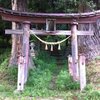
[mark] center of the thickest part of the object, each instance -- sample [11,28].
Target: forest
[48,73]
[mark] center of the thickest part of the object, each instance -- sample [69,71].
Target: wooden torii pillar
[74,51]
[24,58]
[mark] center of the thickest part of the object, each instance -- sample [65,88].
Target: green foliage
[5,3]
[40,77]
[93,71]
[4,54]
[64,81]
[89,87]
[89,93]
[8,79]
[39,81]
[59,5]
[8,75]
[43,61]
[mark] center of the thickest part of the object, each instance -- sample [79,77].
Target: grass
[93,73]
[47,80]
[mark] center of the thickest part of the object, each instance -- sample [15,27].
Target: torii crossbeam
[43,32]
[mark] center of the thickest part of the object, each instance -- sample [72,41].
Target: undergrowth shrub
[8,73]
[4,53]
[64,81]
[89,93]
[39,80]
[45,61]
[40,77]
[93,71]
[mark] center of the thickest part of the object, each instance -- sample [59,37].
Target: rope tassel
[46,47]
[51,47]
[59,47]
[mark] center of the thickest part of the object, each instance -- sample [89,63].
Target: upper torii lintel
[16,16]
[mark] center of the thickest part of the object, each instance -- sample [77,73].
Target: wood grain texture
[17,16]
[82,72]
[43,32]
[75,51]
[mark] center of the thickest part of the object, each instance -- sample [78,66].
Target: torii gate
[27,18]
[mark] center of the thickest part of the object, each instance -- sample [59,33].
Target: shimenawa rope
[50,43]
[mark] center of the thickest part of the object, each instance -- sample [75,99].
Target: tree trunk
[19,5]
[13,59]
[89,45]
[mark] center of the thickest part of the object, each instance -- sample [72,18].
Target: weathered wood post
[70,65]
[82,71]
[20,80]
[75,51]
[24,58]
[26,29]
